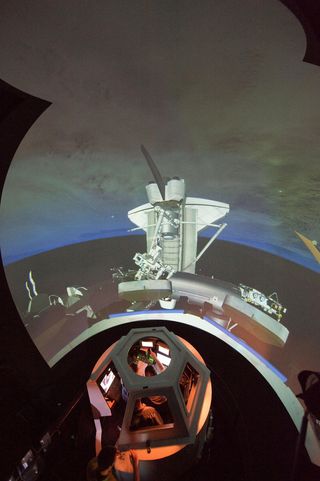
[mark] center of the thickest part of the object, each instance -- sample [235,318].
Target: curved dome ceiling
[217,91]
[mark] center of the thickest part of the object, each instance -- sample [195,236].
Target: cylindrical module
[153,193]
[175,189]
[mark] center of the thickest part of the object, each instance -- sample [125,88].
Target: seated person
[145,416]
[158,366]
[110,465]
[148,372]
[100,468]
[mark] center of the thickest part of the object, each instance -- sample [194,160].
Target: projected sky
[216,90]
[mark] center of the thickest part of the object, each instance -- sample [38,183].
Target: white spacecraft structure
[39,302]
[166,271]
[172,223]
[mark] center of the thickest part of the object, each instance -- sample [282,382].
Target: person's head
[106,459]
[139,405]
[149,371]
[134,366]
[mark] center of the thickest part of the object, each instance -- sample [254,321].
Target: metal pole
[208,244]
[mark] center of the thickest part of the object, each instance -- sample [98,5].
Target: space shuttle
[172,223]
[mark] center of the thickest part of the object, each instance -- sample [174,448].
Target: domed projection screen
[235,116]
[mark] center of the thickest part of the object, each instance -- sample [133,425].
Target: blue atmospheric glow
[304,260]
[135,313]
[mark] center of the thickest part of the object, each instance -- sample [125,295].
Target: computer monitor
[107,380]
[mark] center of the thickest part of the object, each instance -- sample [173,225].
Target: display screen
[146,343]
[107,381]
[164,359]
[163,350]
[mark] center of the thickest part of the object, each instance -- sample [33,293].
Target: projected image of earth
[219,95]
